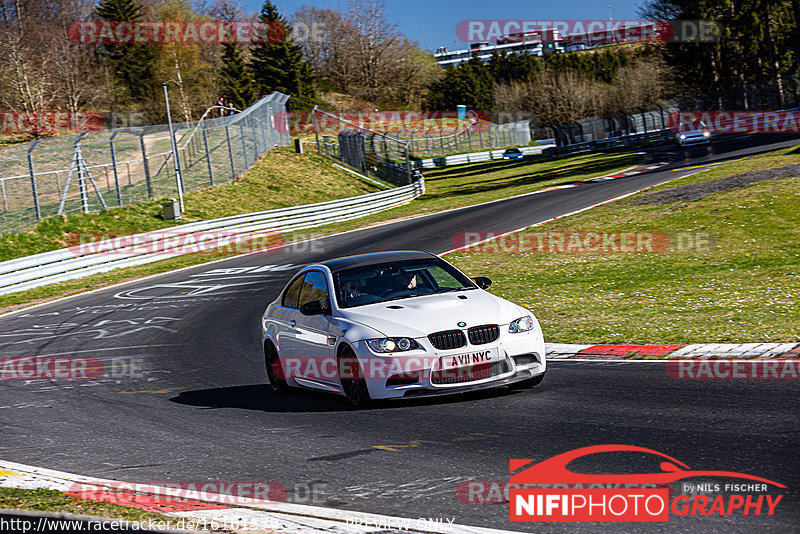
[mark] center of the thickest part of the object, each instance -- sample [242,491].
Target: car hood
[419,316]
[692,133]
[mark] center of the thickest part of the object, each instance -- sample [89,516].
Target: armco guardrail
[473,157]
[68,264]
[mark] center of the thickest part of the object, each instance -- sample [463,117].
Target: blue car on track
[512,153]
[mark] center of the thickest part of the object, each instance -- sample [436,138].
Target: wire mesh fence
[125,166]
[761,96]
[439,136]
[370,152]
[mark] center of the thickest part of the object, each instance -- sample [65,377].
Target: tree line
[357,52]
[43,68]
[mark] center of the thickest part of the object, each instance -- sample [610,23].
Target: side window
[443,278]
[292,294]
[315,287]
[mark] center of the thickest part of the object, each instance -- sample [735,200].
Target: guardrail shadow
[261,397]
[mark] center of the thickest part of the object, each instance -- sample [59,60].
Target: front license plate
[471,358]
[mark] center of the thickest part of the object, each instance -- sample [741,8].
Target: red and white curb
[700,351]
[212,511]
[608,177]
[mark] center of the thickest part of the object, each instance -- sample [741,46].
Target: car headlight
[523,324]
[392,344]
[706,133]
[683,136]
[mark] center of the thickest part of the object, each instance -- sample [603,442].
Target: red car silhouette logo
[554,470]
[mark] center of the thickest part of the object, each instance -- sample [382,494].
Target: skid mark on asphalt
[342,456]
[105,329]
[414,443]
[167,390]
[416,489]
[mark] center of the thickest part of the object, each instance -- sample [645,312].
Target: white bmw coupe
[397,325]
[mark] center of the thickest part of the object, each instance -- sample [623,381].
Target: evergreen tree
[234,78]
[131,65]
[279,65]
[470,84]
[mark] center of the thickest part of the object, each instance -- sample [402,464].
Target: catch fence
[92,170]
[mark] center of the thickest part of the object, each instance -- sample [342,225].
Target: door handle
[292,323]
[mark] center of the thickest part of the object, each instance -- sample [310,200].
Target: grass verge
[279,179]
[744,290]
[446,188]
[42,500]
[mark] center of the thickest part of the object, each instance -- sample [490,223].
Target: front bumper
[419,373]
[694,140]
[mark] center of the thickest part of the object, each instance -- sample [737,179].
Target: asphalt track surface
[184,395]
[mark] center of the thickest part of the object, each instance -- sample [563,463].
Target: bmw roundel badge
[462,324]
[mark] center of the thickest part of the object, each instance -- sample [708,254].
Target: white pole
[176,160]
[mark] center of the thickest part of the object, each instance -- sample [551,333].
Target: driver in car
[350,291]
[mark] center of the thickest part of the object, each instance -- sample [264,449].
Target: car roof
[361,260]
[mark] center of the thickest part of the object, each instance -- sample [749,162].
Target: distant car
[512,153]
[689,135]
[396,325]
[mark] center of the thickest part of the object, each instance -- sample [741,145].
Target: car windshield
[383,282]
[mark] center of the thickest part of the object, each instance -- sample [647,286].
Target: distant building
[537,43]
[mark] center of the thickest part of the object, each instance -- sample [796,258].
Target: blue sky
[432,23]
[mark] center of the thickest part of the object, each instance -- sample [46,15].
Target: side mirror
[314,307]
[483,282]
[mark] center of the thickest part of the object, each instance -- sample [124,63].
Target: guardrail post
[144,163]
[36,208]
[230,153]
[263,124]
[114,166]
[244,146]
[208,157]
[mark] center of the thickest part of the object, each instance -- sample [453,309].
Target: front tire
[274,372]
[527,383]
[352,378]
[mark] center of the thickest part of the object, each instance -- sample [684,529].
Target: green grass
[446,188]
[465,185]
[745,290]
[281,178]
[7,140]
[51,501]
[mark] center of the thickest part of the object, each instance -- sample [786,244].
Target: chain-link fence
[438,142]
[462,135]
[761,96]
[634,121]
[120,167]
[368,151]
